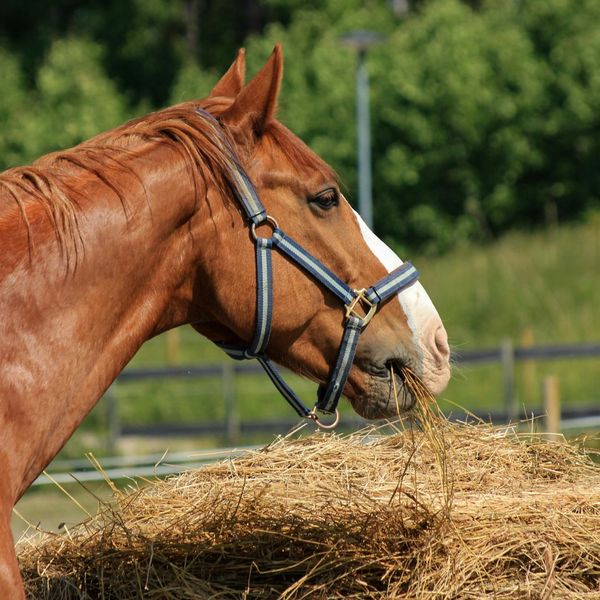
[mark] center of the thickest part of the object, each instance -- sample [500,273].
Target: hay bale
[471,512]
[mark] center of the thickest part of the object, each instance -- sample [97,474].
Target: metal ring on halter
[270,220]
[313,415]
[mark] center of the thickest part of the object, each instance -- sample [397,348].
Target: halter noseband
[368,299]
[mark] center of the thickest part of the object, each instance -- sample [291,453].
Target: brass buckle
[362,301]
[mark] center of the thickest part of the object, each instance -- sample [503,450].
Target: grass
[541,287]
[52,510]
[546,281]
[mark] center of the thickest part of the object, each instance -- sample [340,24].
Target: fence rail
[125,467]
[550,352]
[507,355]
[464,357]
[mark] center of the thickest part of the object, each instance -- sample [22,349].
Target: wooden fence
[231,428]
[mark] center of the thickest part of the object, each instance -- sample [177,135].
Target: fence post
[172,346]
[551,395]
[113,421]
[507,357]
[528,369]
[232,421]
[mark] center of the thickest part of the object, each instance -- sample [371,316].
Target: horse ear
[232,82]
[257,102]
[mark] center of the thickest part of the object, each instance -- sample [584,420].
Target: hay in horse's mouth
[407,388]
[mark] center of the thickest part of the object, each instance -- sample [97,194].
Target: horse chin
[385,398]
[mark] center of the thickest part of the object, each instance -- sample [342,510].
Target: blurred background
[485,143]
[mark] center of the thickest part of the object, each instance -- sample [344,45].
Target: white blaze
[415,302]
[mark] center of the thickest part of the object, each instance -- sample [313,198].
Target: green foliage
[12,102]
[566,34]
[485,113]
[144,43]
[482,119]
[317,101]
[456,104]
[72,100]
[192,82]
[77,99]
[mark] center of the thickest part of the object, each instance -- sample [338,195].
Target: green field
[542,287]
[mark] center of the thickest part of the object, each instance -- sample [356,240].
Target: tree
[12,108]
[566,37]
[485,113]
[76,98]
[318,101]
[455,117]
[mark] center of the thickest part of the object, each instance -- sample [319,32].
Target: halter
[366,299]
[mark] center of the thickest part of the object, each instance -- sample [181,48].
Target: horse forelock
[303,160]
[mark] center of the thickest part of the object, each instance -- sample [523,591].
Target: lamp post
[361,41]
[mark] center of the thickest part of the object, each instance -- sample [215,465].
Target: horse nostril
[440,339]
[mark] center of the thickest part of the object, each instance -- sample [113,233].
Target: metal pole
[365,200]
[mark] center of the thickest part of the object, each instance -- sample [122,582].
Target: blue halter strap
[367,300]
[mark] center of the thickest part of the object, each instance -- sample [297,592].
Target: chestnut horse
[137,231]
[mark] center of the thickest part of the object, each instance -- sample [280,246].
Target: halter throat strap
[356,320]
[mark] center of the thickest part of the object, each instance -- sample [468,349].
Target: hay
[464,511]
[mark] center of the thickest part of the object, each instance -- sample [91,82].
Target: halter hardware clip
[362,301]
[313,416]
[269,220]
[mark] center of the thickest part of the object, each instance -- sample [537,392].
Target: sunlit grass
[547,281]
[541,287]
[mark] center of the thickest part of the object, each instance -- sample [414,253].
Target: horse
[139,230]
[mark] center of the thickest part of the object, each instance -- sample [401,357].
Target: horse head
[302,195]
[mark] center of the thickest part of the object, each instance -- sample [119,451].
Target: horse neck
[71,332]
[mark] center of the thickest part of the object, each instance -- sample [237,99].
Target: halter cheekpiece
[366,299]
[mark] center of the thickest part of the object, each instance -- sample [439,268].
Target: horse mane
[48,181]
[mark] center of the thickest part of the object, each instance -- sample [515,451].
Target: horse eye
[326,199]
